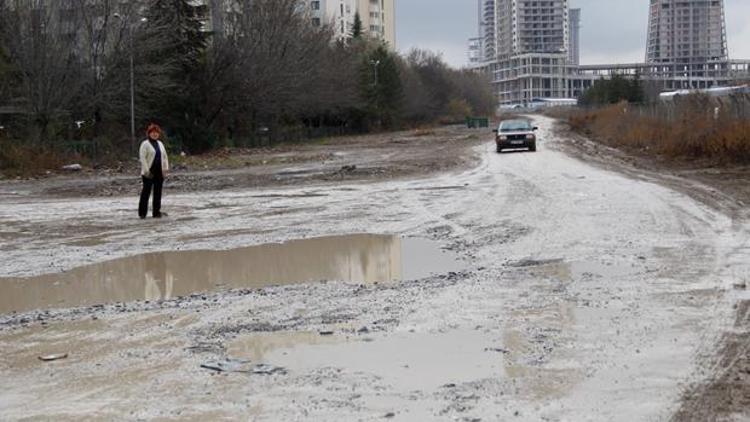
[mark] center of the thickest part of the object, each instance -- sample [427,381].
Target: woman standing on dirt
[154,166]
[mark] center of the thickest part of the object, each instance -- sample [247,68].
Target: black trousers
[156,183]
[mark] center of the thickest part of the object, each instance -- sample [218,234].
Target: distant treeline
[613,91]
[65,76]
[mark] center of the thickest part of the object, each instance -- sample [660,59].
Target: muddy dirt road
[571,294]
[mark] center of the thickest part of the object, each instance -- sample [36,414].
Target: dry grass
[26,161]
[684,132]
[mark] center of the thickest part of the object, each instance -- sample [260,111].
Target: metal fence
[736,106]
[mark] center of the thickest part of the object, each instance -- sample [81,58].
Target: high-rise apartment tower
[488,28]
[574,39]
[531,26]
[686,32]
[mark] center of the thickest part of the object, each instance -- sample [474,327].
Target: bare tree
[40,44]
[279,57]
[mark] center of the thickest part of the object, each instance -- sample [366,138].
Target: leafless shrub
[694,127]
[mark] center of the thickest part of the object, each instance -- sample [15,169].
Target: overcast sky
[613,31]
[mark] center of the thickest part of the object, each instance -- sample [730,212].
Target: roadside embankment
[696,129]
[704,140]
[382,156]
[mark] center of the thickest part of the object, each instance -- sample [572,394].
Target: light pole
[132,79]
[375,64]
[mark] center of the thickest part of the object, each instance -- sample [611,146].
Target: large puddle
[155,276]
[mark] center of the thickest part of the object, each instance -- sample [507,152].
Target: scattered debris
[73,167]
[390,415]
[346,169]
[326,333]
[265,369]
[205,348]
[53,357]
[534,262]
[740,286]
[229,365]
[243,366]
[497,349]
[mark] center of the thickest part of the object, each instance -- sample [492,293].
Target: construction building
[528,53]
[476,45]
[475,51]
[687,38]
[487,26]
[532,49]
[574,39]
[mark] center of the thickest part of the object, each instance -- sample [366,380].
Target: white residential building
[377,16]
[379,19]
[339,14]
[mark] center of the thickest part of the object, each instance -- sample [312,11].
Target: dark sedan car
[513,134]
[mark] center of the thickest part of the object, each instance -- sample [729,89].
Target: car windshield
[514,125]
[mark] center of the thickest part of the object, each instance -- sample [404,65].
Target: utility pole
[129,24]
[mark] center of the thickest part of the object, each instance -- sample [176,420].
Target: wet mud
[585,295]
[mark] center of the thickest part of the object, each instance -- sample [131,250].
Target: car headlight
[530,136]
[503,138]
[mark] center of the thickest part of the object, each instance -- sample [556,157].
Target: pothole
[360,258]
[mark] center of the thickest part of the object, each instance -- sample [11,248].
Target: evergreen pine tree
[176,31]
[357,27]
[637,93]
[380,83]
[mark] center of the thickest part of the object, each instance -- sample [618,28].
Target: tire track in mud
[721,389]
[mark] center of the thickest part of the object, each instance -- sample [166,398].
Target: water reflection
[356,258]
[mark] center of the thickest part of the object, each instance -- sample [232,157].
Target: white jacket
[147,155]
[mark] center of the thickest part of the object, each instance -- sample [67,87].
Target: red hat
[153,127]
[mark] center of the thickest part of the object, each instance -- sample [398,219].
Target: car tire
[532,148]
[499,150]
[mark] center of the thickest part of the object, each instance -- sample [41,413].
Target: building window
[315,5]
[316,21]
